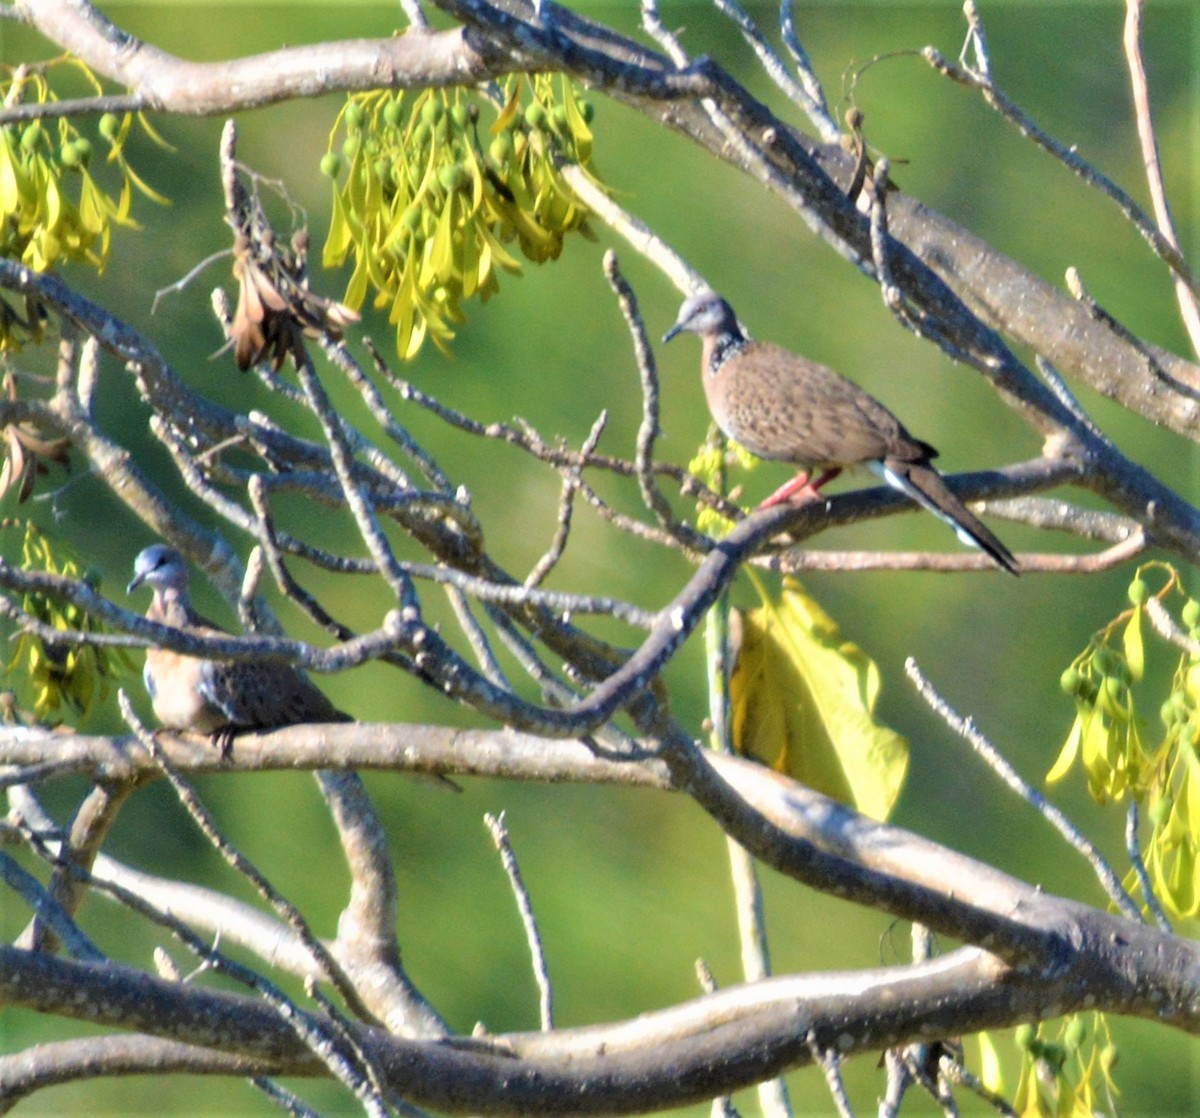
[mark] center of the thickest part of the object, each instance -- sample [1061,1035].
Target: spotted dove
[782,406]
[219,698]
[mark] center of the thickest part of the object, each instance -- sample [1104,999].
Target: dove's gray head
[161,567]
[704,314]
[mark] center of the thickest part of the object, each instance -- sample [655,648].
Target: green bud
[355,116]
[83,149]
[431,111]
[459,116]
[588,111]
[68,156]
[501,148]
[1160,811]
[110,125]
[1104,661]
[331,164]
[32,136]
[1108,1057]
[535,116]
[393,112]
[350,147]
[1025,1036]
[559,116]
[1191,613]
[1138,591]
[1075,1033]
[453,176]
[1069,681]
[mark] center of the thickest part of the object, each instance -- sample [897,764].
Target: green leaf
[803,702]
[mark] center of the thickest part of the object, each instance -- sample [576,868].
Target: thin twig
[499,833]
[823,118]
[1070,158]
[1134,852]
[240,864]
[1132,42]
[1165,627]
[965,728]
[829,1060]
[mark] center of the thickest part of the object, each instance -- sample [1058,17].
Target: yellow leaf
[1135,653]
[1070,750]
[991,1074]
[803,699]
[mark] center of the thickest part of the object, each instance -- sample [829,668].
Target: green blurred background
[630,887]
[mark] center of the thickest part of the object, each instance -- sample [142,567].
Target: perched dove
[219,698]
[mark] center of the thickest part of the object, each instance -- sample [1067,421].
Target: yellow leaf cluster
[429,216]
[1066,1070]
[62,680]
[1111,740]
[803,700]
[52,210]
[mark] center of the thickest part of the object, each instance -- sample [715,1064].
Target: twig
[48,911]
[1134,853]
[829,1060]
[648,430]
[965,728]
[499,833]
[1132,42]
[1165,627]
[798,92]
[566,507]
[1070,158]
[309,1029]
[239,863]
[823,118]
[283,1098]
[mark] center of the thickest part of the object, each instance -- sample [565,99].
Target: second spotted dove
[782,406]
[218,698]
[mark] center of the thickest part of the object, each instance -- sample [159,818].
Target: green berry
[83,149]
[110,125]
[1108,1057]
[393,113]
[1160,811]
[68,156]
[350,147]
[431,111]
[1069,681]
[331,164]
[421,134]
[1025,1036]
[1075,1033]
[1138,591]
[411,218]
[501,148]
[535,116]
[355,116]
[1191,613]
[453,176]
[31,137]
[559,116]
[459,116]
[1104,661]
